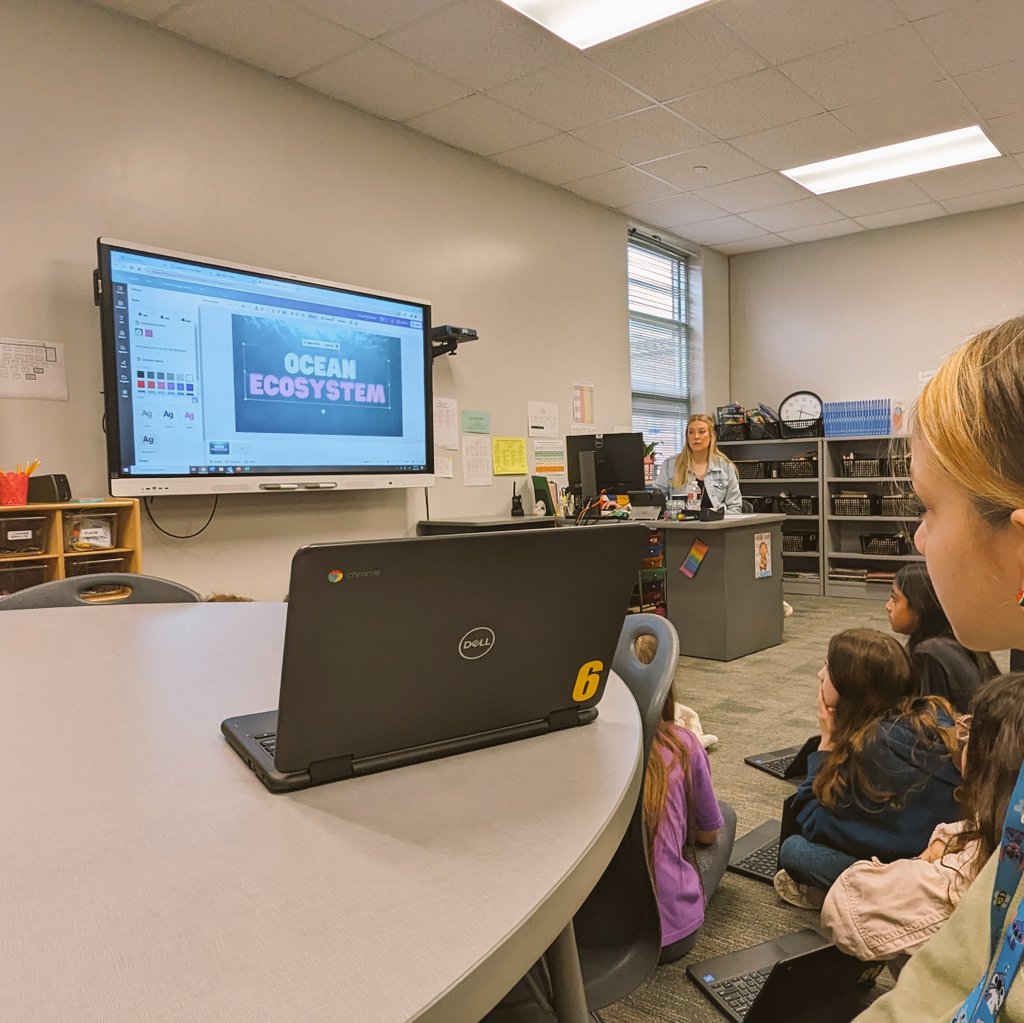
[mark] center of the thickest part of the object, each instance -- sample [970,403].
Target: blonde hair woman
[702,469]
[968,469]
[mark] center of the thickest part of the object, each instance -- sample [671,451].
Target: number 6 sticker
[587,680]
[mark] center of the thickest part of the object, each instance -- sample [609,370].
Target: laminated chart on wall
[36,369]
[582,401]
[509,455]
[549,457]
[542,419]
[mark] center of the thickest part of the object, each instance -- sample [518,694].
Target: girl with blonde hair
[701,469]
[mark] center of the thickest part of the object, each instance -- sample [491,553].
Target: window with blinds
[659,344]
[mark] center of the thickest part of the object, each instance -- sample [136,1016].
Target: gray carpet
[756,703]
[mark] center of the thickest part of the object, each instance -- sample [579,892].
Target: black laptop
[795,978]
[756,854]
[400,651]
[789,764]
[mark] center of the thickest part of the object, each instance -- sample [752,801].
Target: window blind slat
[659,345]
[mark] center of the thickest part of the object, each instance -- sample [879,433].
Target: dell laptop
[400,651]
[756,854]
[788,764]
[795,978]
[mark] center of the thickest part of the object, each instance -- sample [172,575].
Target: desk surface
[149,876]
[738,521]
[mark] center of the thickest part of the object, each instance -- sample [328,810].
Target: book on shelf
[853,574]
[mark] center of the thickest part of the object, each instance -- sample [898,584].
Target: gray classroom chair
[137,589]
[618,927]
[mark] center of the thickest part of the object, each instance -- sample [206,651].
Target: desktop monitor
[616,461]
[220,377]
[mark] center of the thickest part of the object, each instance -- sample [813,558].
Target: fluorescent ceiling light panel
[589,22]
[951,148]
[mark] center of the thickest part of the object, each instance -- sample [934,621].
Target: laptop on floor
[756,854]
[795,978]
[400,651]
[789,764]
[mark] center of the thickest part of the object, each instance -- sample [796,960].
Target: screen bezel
[302,479]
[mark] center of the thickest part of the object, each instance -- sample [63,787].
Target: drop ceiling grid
[683,126]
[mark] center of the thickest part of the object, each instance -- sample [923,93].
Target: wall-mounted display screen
[221,377]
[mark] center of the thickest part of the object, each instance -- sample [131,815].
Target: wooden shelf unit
[808,563]
[27,568]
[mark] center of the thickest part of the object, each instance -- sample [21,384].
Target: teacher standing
[701,467]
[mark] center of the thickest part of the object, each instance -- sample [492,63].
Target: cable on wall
[179,536]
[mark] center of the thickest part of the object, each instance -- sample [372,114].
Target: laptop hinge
[334,769]
[568,717]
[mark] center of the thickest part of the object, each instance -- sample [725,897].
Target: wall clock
[801,414]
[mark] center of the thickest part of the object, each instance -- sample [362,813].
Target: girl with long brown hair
[689,832]
[880,910]
[884,774]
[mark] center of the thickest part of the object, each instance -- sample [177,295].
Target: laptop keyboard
[763,861]
[268,740]
[777,766]
[739,992]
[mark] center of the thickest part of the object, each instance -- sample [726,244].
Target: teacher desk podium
[724,610]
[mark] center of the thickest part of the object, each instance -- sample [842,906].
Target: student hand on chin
[826,722]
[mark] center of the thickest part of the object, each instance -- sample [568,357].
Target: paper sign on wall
[542,419]
[446,423]
[476,462]
[476,422]
[549,457]
[582,402]
[35,369]
[509,455]
[443,467]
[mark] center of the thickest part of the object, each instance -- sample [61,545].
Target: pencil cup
[13,488]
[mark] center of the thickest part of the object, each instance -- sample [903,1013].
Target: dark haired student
[884,774]
[944,667]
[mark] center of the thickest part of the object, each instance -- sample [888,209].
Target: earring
[1020,599]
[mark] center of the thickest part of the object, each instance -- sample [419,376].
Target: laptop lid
[403,650]
[756,853]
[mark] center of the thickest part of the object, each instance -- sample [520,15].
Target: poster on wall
[582,401]
[762,555]
[542,419]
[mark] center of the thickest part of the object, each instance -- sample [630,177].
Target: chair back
[105,588]
[618,927]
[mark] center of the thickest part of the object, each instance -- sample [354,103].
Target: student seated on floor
[690,833]
[879,910]
[884,774]
[944,667]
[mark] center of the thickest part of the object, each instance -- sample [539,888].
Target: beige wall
[861,316]
[114,128]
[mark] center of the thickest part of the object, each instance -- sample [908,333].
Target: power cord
[179,536]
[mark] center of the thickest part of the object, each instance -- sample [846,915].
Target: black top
[945,668]
[705,501]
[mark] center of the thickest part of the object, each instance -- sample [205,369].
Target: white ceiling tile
[558,160]
[384,83]
[570,94]
[480,42]
[1007,132]
[877,198]
[675,211]
[785,29]
[644,135]
[819,231]
[900,116]
[761,100]
[624,187]
[917,9]
[372,18]
[147,10]
[792,145]
[926,211]
[986,33]
[756,193]
[768,241]
[983,176]
[985,200]
[720,163]
[802,213]
[724,229]
[996,90]
[892,61]
[481,125]
[271,34]
[678,57]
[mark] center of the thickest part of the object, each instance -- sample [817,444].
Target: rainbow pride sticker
[335,575]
